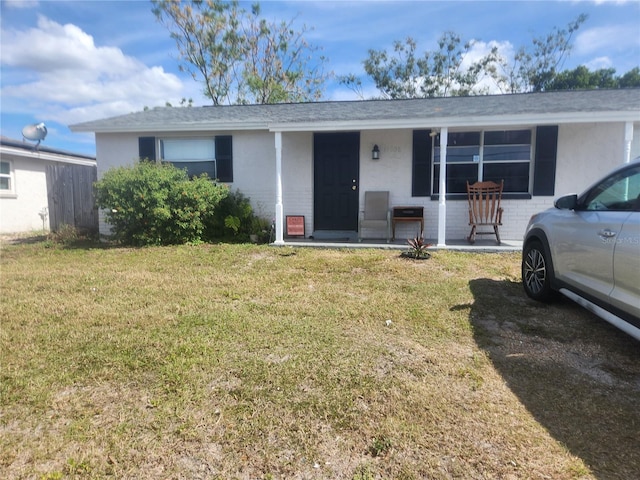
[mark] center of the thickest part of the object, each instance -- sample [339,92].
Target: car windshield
[620,192]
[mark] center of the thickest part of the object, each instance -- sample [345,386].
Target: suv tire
[536,272]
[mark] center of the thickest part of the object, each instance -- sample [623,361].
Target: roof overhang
[174,127]
[460,122]
[481,121]
[33,154]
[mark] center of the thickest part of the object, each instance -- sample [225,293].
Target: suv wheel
[536,274]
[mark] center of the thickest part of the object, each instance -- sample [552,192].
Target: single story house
[317,160]
[38,187]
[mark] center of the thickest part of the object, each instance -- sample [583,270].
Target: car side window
[620,192]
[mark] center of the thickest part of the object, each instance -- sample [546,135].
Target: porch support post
[279,209]
[442,203]
[628,138]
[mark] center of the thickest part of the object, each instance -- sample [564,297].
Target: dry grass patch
[257,362]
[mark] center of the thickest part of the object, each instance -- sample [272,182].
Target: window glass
[483,156]
[5,168]
[515,176]
[457,176]
[508,137]
[196,155]
[620,192]
[458,154]
[498,153]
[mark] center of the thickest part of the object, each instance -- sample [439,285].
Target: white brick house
[315,159]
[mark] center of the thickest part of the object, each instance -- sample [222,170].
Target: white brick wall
[585,152]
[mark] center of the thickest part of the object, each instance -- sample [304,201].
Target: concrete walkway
[481,245]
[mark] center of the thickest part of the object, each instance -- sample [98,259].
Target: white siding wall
[19,212]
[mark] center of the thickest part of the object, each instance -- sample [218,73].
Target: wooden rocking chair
[484,208]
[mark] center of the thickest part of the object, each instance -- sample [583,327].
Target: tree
[631,78]
[443,72]
[279,63]
[582,78]
[534,67]
[450,71]
[239,56]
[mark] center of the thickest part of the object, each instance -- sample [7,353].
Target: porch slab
[484,245]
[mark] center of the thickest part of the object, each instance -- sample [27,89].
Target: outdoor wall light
[375,153]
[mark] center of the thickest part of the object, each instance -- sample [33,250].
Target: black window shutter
[147,148]
[544,168]
[224,158]
[421,168]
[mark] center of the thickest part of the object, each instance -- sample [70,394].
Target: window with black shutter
[484,155]
[212,156]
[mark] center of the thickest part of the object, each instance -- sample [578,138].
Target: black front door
[336,158]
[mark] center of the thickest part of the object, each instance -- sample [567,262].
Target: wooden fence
[70,197]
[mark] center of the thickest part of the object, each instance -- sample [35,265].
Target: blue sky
[65,62]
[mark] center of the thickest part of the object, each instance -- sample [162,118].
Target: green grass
[240,361]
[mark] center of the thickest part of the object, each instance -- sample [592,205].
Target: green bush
[232,220]
[157,204]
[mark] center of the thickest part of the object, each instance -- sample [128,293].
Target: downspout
[628,137]
[442,206]
[279,210]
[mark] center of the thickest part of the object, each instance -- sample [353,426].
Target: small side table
[407,214]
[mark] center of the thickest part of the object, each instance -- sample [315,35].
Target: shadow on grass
[578,376]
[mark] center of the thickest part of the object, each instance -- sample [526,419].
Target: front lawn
[255,362]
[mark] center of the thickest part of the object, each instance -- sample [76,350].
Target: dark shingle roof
[612,105]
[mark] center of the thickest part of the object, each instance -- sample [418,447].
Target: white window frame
[11,191]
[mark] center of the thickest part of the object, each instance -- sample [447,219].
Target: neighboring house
[43,188]
[316,160]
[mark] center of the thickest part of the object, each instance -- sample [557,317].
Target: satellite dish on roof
[35,132]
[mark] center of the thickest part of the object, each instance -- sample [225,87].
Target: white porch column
[442,202]
[279,209]
[628,137]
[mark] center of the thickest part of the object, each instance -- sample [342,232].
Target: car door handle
[606,233]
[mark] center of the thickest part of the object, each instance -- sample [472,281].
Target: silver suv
[588,249]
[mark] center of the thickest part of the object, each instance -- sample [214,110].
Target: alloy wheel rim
[535,272]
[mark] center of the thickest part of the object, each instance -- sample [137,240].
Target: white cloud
[480,49]
[73,80]
[606,39]
[599,63]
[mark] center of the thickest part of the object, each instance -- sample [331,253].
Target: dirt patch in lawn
[576,374]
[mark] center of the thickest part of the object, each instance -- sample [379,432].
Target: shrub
[232,220]
[418,248]
[157,204]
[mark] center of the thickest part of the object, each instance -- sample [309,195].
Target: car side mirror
[567,202]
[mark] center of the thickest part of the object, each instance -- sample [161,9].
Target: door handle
[606,233]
